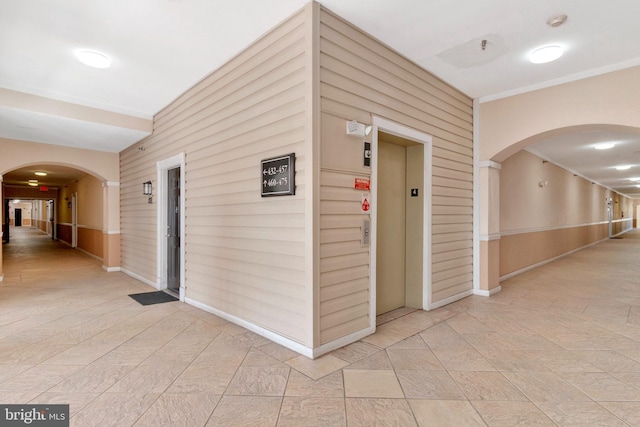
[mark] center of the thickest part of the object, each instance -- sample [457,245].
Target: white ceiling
[160,48]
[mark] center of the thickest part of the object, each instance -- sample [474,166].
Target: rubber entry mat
[149,298]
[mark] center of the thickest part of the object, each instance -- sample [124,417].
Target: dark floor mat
[149,298]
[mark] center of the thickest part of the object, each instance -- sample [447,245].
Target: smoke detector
[556,21]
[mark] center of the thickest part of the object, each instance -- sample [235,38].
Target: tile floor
[560,345]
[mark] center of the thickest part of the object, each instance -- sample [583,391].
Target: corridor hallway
[560,345]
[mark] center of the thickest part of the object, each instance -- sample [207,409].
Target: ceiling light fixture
[623,167]
[41,173]
[604,146]
[33,184]
[634,179]
[546,54]
[93,59]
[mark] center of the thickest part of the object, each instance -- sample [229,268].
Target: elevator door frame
[387,126]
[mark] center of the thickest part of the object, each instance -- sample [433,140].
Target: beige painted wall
[246,255]
[507,125]
[546,211]
[16,154]
[361,77]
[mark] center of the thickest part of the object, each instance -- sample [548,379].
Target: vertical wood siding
[359,77]
[244,254]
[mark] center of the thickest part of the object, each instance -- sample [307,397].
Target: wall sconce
[147,190]
[358,129]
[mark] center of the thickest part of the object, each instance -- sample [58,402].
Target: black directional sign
[278,175]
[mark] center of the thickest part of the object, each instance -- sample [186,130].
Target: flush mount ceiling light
[41,173]
[604,146]
[93,59]
[545,54]
[623,167]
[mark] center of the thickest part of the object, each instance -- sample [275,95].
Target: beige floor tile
[246,411]
[379,360]
[602,387]
[363,412]
[259,381]
[463,359]
[203,380]
[509,414]
[300,385]
[257,359]
[513,360]
[629,412]
[39,378]
[18,397]
[443,336]
[579,414]
[545,387]
[221,355]
[317,368]
[414,342]
[76,401]
[434,385]
[113,409]
[278,352]
[408,359]
[464,323]
[128,354]
[187,410]
[563,361]
[145,379]
[385,336]
[354,352]
[444,413]
[312,412]
[92,379]
[371,383]
[486,386]
[610,361]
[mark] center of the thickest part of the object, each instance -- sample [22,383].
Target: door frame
[74,220]
[161,193]
[387,126]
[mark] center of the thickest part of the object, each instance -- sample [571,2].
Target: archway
[101,237]
[506,126]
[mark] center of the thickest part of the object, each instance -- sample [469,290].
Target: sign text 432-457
[278,175]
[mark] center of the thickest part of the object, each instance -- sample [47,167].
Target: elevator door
[391,226]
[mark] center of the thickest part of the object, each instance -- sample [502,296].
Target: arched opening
[554,193]
[67,203]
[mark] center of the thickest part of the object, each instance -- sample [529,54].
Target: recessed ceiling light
[623,167]
[604,146]
[93,59]
[33,184]
[545,54]
[41,173]
[33,180]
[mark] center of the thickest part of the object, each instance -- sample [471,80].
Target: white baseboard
[450,300]
[341,342]
[285,342]
[110,269]
[485,293]
[138,277]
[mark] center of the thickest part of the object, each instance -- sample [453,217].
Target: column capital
[490,164]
